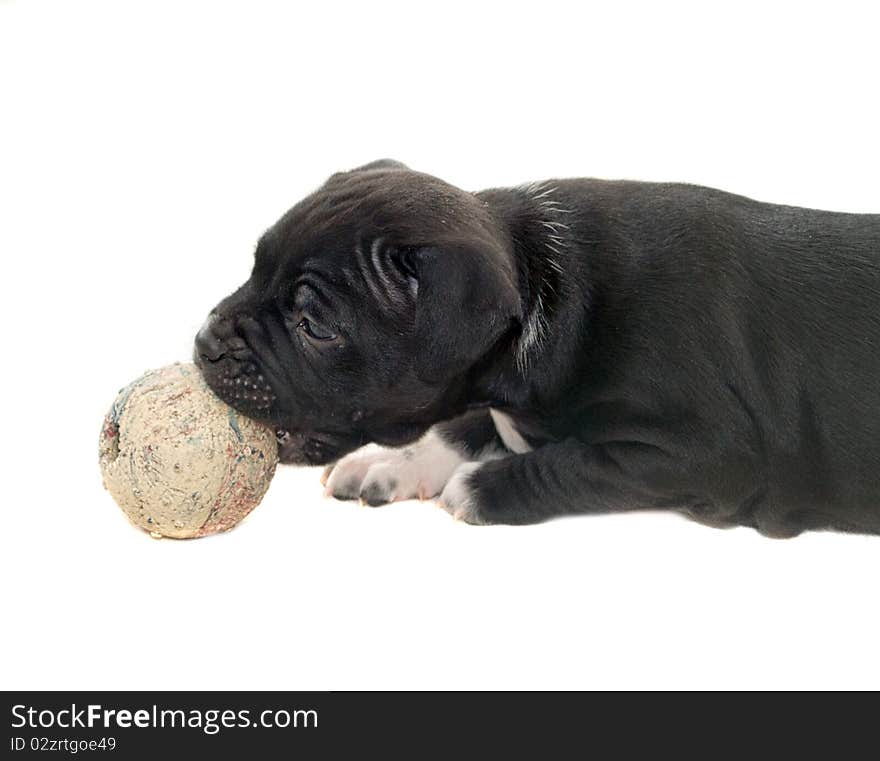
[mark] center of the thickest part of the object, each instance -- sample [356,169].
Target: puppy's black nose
[208,346]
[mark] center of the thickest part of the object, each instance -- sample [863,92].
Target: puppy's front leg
[378,475]
[558,479]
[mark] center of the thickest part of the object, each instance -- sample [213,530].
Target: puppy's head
[368,304]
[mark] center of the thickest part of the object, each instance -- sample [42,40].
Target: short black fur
[659,345]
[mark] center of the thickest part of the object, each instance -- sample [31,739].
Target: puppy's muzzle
[231,369]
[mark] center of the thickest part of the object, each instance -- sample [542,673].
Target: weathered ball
[179,461]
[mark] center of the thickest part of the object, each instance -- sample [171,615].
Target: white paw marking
[511,437]
[379,474]
[457,498]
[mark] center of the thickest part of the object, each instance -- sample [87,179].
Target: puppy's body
[623,345]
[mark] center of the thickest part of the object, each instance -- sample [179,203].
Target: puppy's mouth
[243,387]
[230,369]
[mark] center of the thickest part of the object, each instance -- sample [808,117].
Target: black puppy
[577,346]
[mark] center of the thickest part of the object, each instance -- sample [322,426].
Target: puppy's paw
[362,474]
[458,497]
[377,475]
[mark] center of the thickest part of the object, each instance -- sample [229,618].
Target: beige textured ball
[178,460]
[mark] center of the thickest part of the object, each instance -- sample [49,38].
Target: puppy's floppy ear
[466,300]
[381,164]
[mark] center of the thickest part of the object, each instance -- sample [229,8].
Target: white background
[144,148]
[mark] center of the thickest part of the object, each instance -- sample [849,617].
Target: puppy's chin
[312,448]
[398,434]
[322,448]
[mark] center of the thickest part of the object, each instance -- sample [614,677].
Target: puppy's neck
[538,225]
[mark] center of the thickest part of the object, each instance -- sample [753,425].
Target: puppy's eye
[315,331]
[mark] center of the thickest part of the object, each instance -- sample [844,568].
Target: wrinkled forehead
[385,197]
[402,205]
[354,215]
